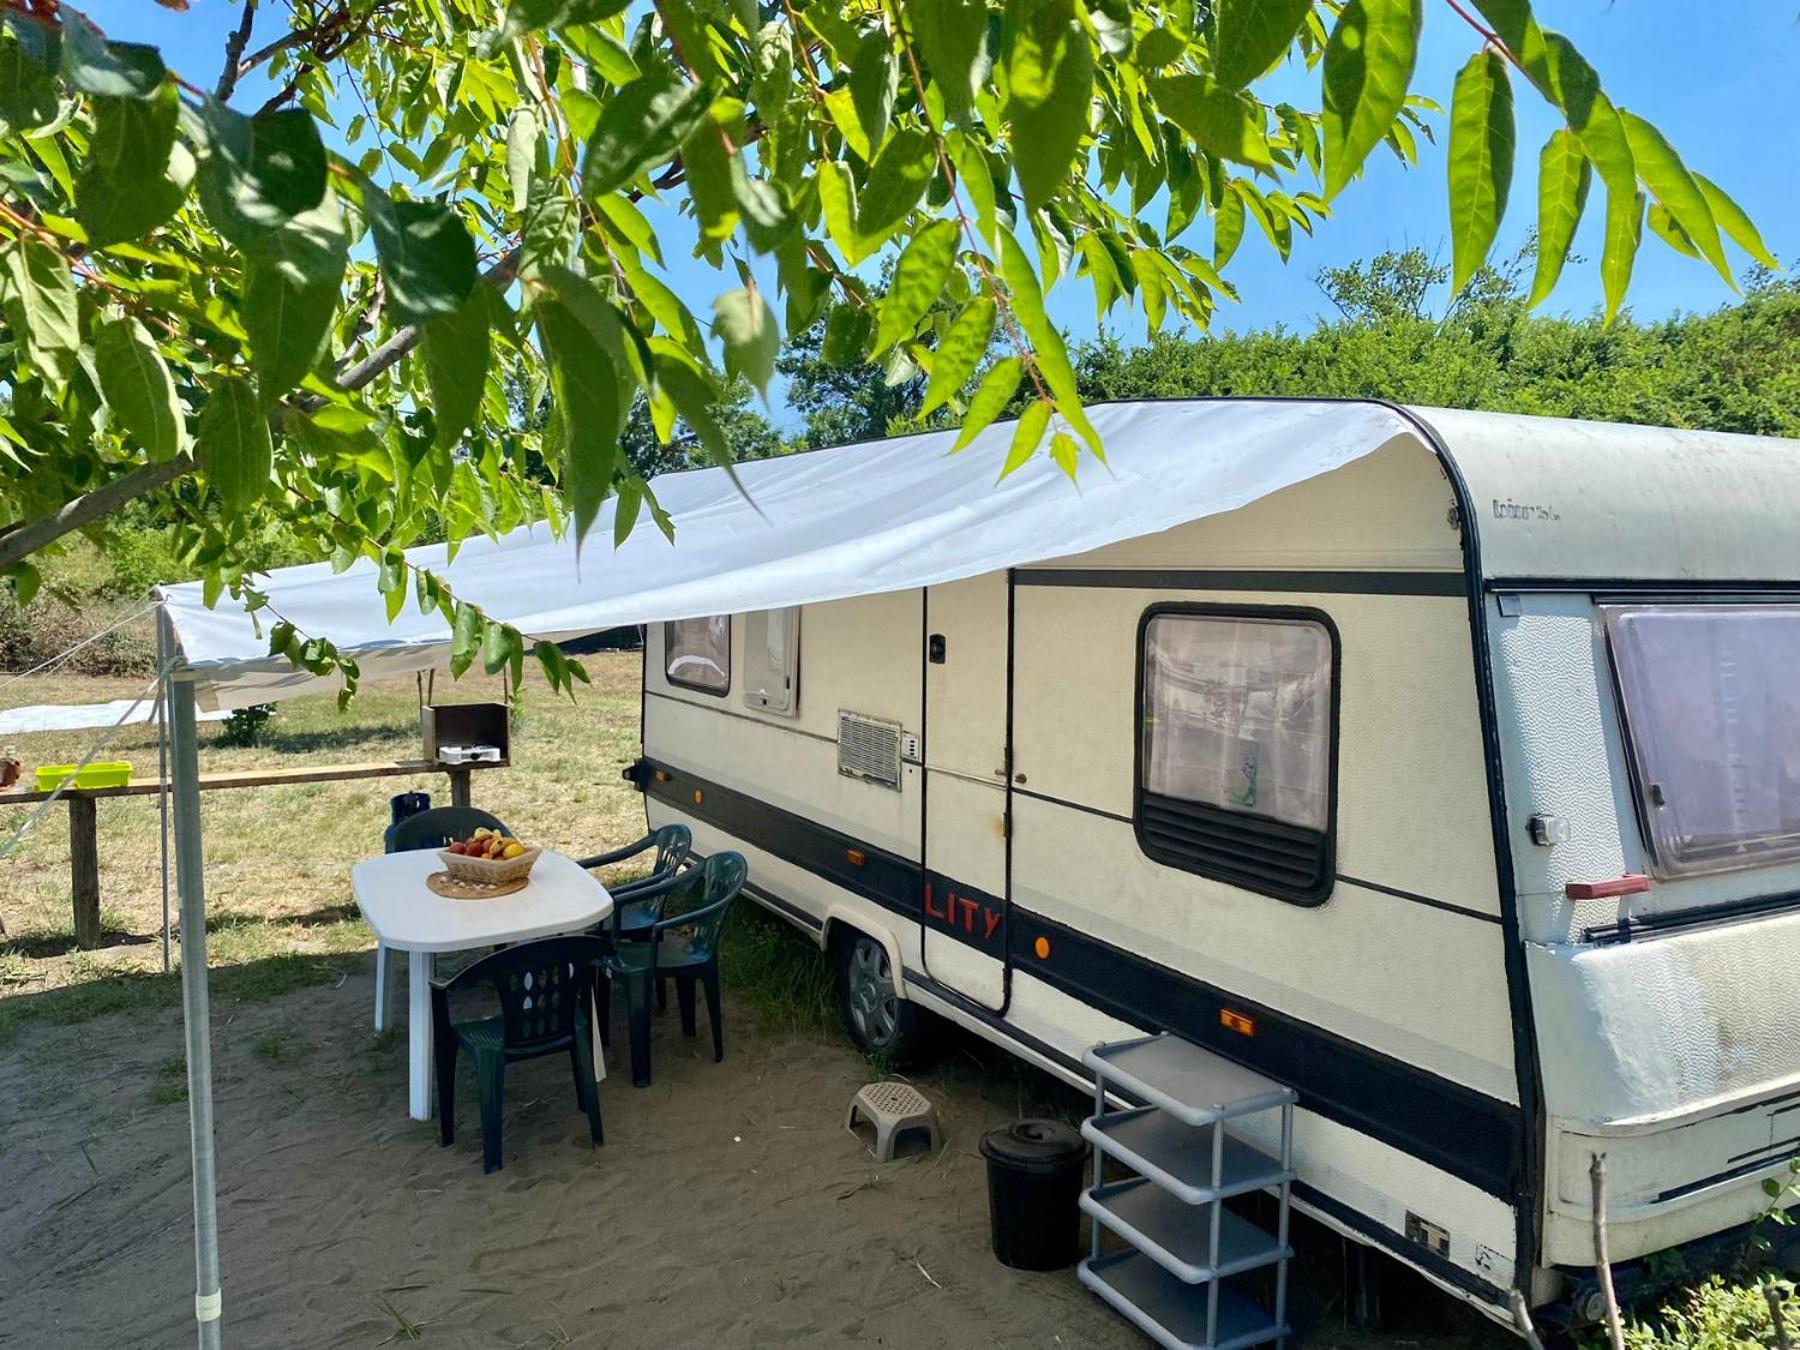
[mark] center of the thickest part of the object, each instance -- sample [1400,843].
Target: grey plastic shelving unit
[1175,1280]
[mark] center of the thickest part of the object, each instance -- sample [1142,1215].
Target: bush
[48,627]
[244,727]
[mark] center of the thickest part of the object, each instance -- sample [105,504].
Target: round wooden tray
[453,888]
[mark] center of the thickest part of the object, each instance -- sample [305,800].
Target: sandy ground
[728,1207]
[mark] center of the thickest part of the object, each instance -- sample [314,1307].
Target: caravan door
[967,635]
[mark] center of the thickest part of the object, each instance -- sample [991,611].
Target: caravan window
[771,660]
[1236,756]
[697,653]
[1712,722]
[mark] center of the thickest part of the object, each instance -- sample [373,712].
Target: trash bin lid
[1033,1145]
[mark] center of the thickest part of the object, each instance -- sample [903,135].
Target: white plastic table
[407,914]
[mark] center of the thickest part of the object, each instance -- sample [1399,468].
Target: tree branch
[234,53]
[20,541]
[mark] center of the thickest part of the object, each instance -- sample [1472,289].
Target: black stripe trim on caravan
[1464,1132]
[1417,899]
[1237,579]
[1354,1219]
[1455,1128]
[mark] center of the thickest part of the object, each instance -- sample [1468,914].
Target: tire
[878,1019]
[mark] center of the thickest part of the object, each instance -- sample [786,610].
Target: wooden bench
[84,832]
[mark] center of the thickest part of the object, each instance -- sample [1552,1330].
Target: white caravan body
[1461,864]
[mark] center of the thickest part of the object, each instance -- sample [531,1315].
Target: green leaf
[427,257]
[952,40]
[260,172]
[694,398]
[990,398]
[1028,434]
[1624,228]
[465,638]
[234,443]
[286,321]
[1368,65]
[846,336]
[1564,175]
[1665,227]
[1048,351]
[585,388]
[743,321]
[959,353]
[874,82]
[1249,36]
[1669,181]
[641,125]
[106,69]
[1738,226]
[919,279]
[897,180]
[662,303]
[1573,86]
[130,182]
[43,308]
[456,366]
[497,644]
[1222,121]
[1228,229]
[525,16]
[1480,160]
[837,199]
[1048,68]
[137,386]
[521,154]
[707,169]
[762,206]
[27,93]
[975,179]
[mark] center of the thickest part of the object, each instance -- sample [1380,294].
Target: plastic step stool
[893,1109]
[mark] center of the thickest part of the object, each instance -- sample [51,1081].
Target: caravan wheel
[878,1019]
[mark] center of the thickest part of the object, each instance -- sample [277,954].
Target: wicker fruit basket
[489,871]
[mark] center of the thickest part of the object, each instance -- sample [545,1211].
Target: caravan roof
[1549,498]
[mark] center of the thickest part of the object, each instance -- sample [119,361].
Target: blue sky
[1717,78]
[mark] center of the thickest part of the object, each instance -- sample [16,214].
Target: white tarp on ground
[856,520]
[83,716]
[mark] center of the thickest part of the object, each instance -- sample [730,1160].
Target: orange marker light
[857,857]
[698,797]
[1237,1021]
[1042,948]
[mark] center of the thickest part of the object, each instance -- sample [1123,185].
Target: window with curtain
[697,653]
[1235,767]
[1712,723]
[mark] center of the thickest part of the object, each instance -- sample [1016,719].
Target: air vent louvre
[869,749]
[1245,850]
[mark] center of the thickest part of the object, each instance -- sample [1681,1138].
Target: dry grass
[278,859]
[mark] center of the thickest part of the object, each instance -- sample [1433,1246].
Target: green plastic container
[117,773]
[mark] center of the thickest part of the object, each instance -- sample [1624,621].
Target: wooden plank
[84,871]
[251,778]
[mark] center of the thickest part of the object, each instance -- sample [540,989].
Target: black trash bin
[1035,1170]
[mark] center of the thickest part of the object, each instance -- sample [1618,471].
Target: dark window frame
[1304,896]
[688,684]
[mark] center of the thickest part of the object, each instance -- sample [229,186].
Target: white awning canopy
[855,520]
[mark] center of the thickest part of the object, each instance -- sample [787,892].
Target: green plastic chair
[546,993]
[438,826]
[432,828]
[685,946]
[638,904]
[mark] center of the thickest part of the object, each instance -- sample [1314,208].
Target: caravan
[1442,766]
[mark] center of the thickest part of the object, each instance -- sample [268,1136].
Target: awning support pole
[162,775]
[184,757]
